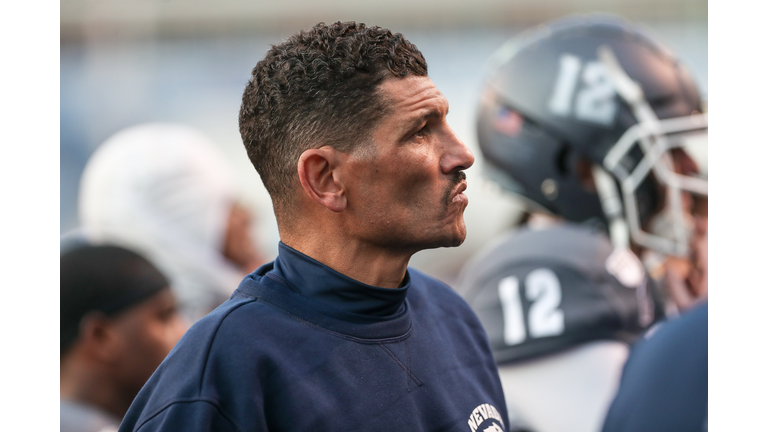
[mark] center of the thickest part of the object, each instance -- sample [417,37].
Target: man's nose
[457,155]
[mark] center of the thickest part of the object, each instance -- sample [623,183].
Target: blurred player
[118,322]
[584,118]
[165,191]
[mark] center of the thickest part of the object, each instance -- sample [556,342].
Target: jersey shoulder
[540,291]
[568,244]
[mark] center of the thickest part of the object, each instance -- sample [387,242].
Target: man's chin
[455,239]
[459,240]
[450,235]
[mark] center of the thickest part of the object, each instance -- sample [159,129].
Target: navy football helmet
[581,117]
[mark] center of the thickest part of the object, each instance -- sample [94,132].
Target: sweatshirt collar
[315,280]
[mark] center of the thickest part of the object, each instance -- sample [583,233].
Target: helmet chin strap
[610,200]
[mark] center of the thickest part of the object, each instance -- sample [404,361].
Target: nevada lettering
[482,413]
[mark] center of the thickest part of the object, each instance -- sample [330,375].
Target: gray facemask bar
[651,134]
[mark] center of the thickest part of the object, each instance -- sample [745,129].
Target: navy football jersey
[541,291]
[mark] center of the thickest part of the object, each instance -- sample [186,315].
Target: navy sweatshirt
[301,347]
[664,383]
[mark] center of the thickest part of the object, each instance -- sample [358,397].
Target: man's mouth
[459,194]
[455,193]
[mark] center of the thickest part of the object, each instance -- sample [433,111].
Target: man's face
[239,246]
[407,190]
[686,278]
[148,332]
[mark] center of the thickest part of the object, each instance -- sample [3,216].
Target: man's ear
[319,176]
[98,337]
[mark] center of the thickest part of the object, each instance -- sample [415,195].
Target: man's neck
[363,262]
[81,384]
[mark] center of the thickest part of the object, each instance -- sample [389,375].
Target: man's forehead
[414,94]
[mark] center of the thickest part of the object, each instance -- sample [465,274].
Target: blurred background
[128,62]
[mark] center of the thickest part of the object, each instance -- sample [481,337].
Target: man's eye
[421,132]
[166,314]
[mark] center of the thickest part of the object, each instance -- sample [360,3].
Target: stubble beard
[447,200]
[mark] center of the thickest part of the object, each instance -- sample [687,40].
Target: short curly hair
[319,87]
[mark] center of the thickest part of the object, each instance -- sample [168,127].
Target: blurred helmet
[580,117]
[165,191]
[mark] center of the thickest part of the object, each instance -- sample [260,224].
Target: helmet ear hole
[561,160]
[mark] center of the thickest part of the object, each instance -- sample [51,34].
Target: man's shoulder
[427,287]
[686,335]
[433,299]
[665,380]
[421,280]
[244,311]
[234,311]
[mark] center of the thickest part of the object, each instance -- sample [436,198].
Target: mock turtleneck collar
[313,279]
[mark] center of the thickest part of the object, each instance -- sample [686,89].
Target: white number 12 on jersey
[545,318]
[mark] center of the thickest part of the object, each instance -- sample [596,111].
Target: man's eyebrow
[426,115]
[435,112]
